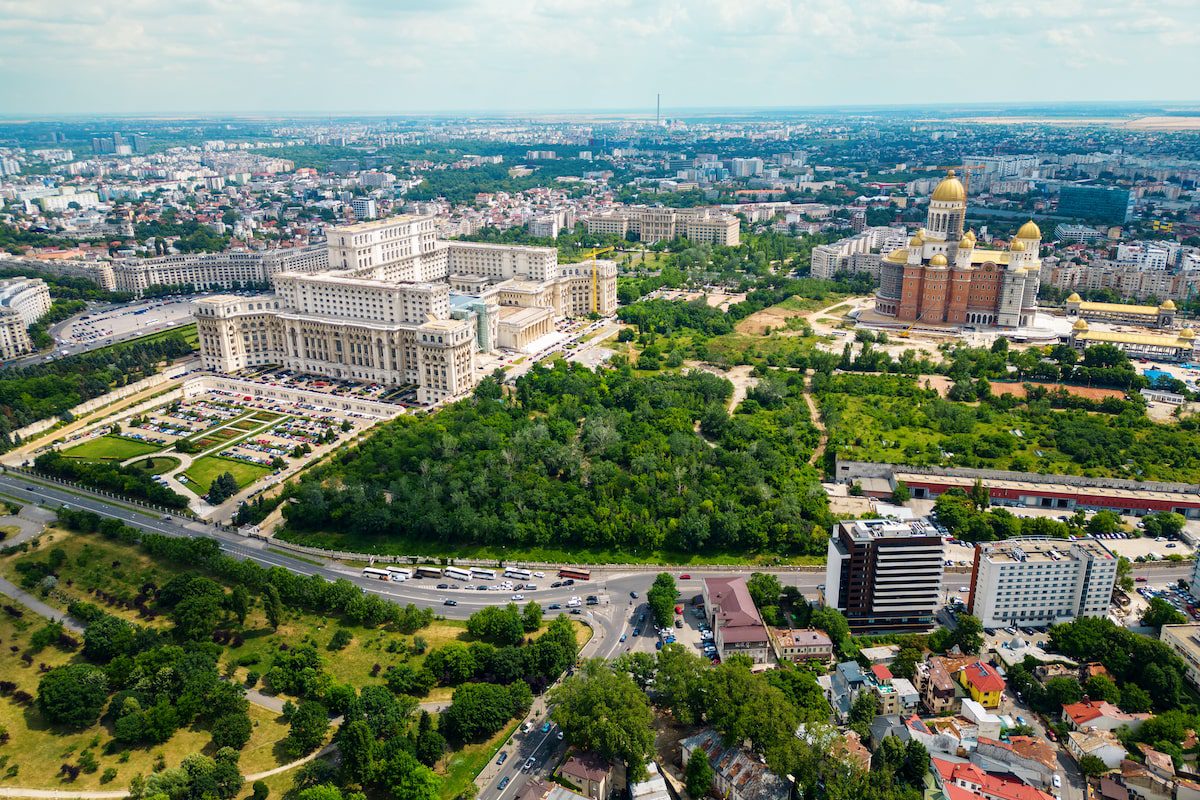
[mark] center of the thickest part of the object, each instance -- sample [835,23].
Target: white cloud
[412,55]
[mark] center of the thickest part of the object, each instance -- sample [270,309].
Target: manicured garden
[157,465]
[110,448]
[205,470]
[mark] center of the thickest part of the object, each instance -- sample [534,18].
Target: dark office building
[1095,203]
[884,575]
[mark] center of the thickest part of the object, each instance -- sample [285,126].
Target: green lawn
[110,448]
[204,471]
[157,465]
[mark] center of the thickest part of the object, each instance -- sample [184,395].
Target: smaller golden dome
[966,243]
[897,256]
[1074,298]
[1017,246]
[1167,306]
[1029,230]
[1079,325]
[1187,333]
[969,235]
[938,260]
[916,240]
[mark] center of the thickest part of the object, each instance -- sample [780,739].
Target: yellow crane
[591,256]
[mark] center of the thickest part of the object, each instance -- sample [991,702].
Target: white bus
[456,574]
[398,574]
[519,574]
[428,572]
[377,574]
[486,574]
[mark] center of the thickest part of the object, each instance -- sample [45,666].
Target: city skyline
[357,56]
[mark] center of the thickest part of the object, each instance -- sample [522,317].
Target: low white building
[1101,744]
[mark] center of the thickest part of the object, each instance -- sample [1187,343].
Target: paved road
[609,619]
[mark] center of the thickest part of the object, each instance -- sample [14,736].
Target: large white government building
[397,306]
[23,301]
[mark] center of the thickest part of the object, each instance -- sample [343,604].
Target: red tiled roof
[983,677]
[881,672]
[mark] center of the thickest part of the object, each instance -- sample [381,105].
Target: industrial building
[884,575]
[1034,581]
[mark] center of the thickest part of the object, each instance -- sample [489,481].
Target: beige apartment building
[400,307]
[23,301]
[207,271]
[701,225]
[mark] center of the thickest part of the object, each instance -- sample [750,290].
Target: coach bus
[578,573]
[486,574]
[454,573]
[377,574]
[428,572]
[399,574]
[519,574]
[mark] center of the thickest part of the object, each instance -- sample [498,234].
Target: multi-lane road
[613,617]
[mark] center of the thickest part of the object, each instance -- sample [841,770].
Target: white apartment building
[1040,581]
[364,208]
[23,301]
[745,167]
[399,307]
[700,225]
[862,252]
[1185,641]
[206,271]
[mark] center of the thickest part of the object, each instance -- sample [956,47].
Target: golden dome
[969,235]
[938,260]
[1168,306]
[916,240]
[1029,230]
[967,242]
[897,256]
[1187,333]
[950,190]
[1074,298]
[1017,246]
[1079,325]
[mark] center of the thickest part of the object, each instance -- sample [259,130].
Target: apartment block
[1041,581]
[884,575]
[1185,641]
[23,301]
[862,252]
[700,225]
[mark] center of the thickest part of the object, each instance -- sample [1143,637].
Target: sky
[78,57]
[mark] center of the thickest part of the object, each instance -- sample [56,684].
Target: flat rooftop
[867,529]
[919,478]
[385,222]
[1042,550]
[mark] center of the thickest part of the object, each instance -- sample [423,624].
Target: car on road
[637,631]
[685,577]
[553,606]
[592,600]
[560,736]
[167,518]
[503,782]
[545,727]
[1057,782]
[634,595]
[527,727]
[556,584]
[518,597]
[481,588]
[449,602]
[576,611]
[503,757]
[1140,579]
[443,586]
[529,763]
[569,582]
[623,637]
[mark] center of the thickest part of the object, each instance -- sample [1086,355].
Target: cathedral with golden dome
[942,278]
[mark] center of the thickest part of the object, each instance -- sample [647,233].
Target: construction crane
[966,170]
[591,256]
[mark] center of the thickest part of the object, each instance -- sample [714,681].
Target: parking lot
[400,395]
[689,629]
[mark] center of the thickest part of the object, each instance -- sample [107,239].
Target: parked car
[545,727]
[685,577]
[529,763]
[634,595]
[503,757]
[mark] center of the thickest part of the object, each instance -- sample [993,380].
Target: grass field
[35,752]
[245,425]
[205,470]
[188,332]
[110,448]
[119,570]
[459,768]
[157,465]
